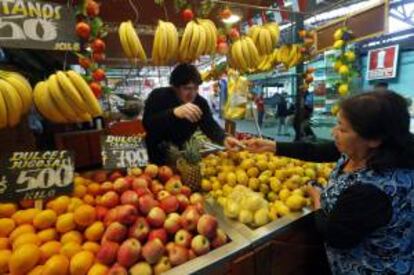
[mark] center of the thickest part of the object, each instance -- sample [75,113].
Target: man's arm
[209,125]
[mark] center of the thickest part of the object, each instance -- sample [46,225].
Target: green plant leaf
[107,90]
[96,26]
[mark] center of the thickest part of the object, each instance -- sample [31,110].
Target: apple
[174,185]
[140,229]
[185,190]
[200,245]
[170,204]
[153,251]
[200,207]
[173,223]
[115,175]
[141,268]
[207,226]
[183,202]
[156,217]
[100,176]
[151,170]
[101,212]
[130,197]
[117,270]
[163,265]
[121,185]
[140,182]
[196,198]
[191,254]
[129,252]
[159,233]
[169,246]
[116,232]
[146,203]
[156,187]
[183,238]
[220,239]
[107,253]
[135,172]
[165,173]
[109,199]
[162,195]
[107,186]
[178,255]
[111,216]
[127,214]
[142,191]
[189,218]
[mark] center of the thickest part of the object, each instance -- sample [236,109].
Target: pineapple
[188,163]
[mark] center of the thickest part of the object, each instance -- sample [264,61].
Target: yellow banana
[45,103]
[22,86]
[56,93]
[202,44]
[134,43]
[85,91]
[251,64]
[253,50]
[195,40]
[185,42]
[253,33]
[3,112]
[71,93]
[274,31]
[122,32]
[209,37]
[163,47]
[160,43]
[239,56]
[14,104]
[172,41]
[213,35]
[268,40]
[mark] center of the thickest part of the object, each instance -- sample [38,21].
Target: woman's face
[349,142]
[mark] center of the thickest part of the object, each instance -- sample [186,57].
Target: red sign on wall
[382,63]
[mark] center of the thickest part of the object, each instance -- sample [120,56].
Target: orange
[59,205]
[24,259]
[49,249]
[6,227]
[25,239]
[79,191]
[48,235]
[4,243]
[65,223]
[56,265]
[71,236]
[37,270]
[98,269]
[45,219]
[94,189]
[70,249]
[89,199]
[81,263]
[95,232]
[21,229]
[7,210]
[25,216]
[85,215]
[79,181]
[92,247]
[5,256]
[74,204]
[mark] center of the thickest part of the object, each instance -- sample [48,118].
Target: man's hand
[188,111]
[257,145]
[233,144]
[315,195]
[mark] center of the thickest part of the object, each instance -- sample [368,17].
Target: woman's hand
[315,195]
[257,145]
[233,144]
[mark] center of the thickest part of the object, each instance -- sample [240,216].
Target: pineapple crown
[190,153]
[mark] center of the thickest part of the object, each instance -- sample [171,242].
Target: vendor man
[172,115]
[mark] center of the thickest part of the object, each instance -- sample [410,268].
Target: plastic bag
[237,98]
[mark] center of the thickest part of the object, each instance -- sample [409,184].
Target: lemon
[339,44]
[254,184]
[344,70]
[281,208]
[339,33]
[242,177]
[295,202]
[216,185]
[350,56]
[253,172]
[206,185]
[262,165]
[284,194]
[335,109]
[245,216]
[231,179]
[247,164]
[275,184]
[253,203]
[264,188]
[261,217]
[271,196]
[343,89]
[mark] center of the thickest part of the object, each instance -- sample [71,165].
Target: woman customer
[366,213]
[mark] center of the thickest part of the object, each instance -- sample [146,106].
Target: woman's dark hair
[382,115]
[185,74]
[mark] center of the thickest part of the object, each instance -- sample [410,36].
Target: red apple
[189,218]
[117,270]
[129,252]
[162,266]
[107,253]
[220,239]
[186,191]
[187,15]
[109,199]
[146,203]
[107,186]
[111,216]
[196,198]
[170,204]
[200,207]
[127,214]
[83,30]
[200,245]
[191,254]
[183,238]
[165,173]
[156,217]
[183,201]
[159,233]
[101,212]
[169,246]
[178,255]
[92,8]
[115,175]
[156,187]
[174,185]
[140,229]
[98,45]
[207,226]
[121,185]
[162,195]
[153,251]
[130,197]
[116,232]
[135,172]
[100,176]
[143,191]
[173,223]
[140,182]
[151,170]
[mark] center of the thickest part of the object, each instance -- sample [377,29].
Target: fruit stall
[77,192]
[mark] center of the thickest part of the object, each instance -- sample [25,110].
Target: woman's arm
[309,151]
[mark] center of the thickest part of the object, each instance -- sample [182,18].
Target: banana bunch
[165,48]
[65,97]
[289,55]
[266,64]
[265,37]
[15,98]
[199,38]
[130,42]
[244,55]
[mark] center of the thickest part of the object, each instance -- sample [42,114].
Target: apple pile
[153,222]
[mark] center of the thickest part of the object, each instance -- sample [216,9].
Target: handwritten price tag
[124,152]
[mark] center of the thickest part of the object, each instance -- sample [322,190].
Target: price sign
[124,152]
[36,175]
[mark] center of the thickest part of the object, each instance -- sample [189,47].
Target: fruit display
[289,55]
[199,38]
[130,42]
[146,221]
[244,55]
[15,98]
[165,48]
[244,183]
[265,37]
[65,97]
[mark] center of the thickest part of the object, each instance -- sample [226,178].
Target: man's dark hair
[185,74]
[382,115]
[382,84]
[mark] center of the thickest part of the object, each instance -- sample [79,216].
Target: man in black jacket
[172,115]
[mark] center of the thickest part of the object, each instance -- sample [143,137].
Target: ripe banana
[58,96]
[45,104]
[264,37]
[244,54]
[14,104]
[71,93]
[122,32]
[130,42]
[202,45]
[211,29]
[165,45]
[185,43]
[173,41]
[22,86]
[274,32]
[194,42]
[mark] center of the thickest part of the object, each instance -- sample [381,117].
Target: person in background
[281,113]
[172,115]
[260,108]
[381,86]
[306,128]
[366,212]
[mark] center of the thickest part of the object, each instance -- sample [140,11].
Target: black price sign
[124,152]
[36,175]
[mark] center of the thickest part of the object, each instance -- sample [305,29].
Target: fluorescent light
[234,18]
